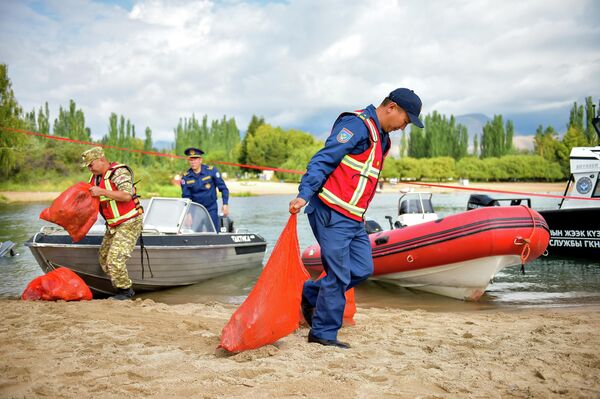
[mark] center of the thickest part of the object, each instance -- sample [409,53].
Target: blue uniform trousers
[347,259]
[213,211]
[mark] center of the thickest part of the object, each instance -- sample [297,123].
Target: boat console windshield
[415,208]
[169,216]
[177,216]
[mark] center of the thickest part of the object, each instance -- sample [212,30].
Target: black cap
[410,102]
[193,152]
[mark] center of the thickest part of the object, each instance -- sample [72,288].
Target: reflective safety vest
[116,212]
[351,186]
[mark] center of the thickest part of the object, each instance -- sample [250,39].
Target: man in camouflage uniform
[119,205]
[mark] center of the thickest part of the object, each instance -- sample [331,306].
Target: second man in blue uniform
[200,184]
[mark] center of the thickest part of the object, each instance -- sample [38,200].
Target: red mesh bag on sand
[75,210]
[271,310]
[59,284]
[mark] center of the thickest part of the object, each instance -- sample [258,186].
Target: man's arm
[348,134]
[220,183]
[185,189]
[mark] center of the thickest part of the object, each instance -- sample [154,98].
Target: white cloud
[297,63]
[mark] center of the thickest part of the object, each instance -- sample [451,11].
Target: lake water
[546,284]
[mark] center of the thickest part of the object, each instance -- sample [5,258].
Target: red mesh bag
[75,210]
[59,284]
[271,310]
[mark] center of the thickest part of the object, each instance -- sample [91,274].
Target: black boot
[327,342]
[123,293]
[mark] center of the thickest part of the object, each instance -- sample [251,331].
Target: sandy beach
[145,349]
[244,187]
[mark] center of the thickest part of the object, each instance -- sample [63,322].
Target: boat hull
[574,233]
[456,256]
[174,260]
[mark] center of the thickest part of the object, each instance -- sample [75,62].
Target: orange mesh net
[271,310]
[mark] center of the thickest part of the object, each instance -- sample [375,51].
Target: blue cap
[410,102]
[193,152]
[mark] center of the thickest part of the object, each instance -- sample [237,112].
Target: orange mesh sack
[75,210]
[271,310]
[59,284]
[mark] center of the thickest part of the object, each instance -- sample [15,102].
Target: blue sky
[300,63]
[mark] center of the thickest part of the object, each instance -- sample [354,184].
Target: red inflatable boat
[455,256]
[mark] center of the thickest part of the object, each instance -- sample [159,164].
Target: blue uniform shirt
[202,187]
[354,140]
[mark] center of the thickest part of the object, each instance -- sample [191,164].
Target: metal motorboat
[179,246]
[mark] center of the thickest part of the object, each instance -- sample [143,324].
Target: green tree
[590,133]
[409,168]
[71,123]
[147,159]
[439,168]
[254,124]
[510,133]
[43,120]
[12,144]
[471,168]
[576,117]
[417,145]
[298,159]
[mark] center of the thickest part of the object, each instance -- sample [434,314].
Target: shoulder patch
[344,135]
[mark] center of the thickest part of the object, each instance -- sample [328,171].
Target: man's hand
[296,204]
[225,210]
[96,191]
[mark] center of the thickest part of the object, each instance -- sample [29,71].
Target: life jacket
[116,212]
[351,186]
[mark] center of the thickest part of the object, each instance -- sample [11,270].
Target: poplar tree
[12,144]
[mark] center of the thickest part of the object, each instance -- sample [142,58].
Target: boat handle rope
[525,241]
[142,250]
[410,259]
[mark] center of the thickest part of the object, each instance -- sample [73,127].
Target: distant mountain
[474,123]
[163,145]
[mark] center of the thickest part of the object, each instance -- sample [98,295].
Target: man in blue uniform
[338,185]
[200,183]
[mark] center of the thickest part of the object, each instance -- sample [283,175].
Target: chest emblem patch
[207,185]
[344,136]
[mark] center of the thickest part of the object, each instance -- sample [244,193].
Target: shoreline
[141,348]
[257,188]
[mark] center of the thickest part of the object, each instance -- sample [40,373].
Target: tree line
[438,151]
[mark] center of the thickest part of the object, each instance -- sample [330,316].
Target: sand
[244,187]
[145,349]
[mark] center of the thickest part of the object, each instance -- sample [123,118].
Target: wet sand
[145,349]
[274,188]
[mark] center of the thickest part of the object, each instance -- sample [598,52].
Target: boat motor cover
[75,210]
[60,284]
[270,311]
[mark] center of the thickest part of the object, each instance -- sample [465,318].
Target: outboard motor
[480,201]
[226,224]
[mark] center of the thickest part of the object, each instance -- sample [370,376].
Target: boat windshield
[177,215]
[415,203]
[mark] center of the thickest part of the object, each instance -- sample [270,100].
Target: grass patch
[242,194]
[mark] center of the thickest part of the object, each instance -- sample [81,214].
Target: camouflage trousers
[116,248]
